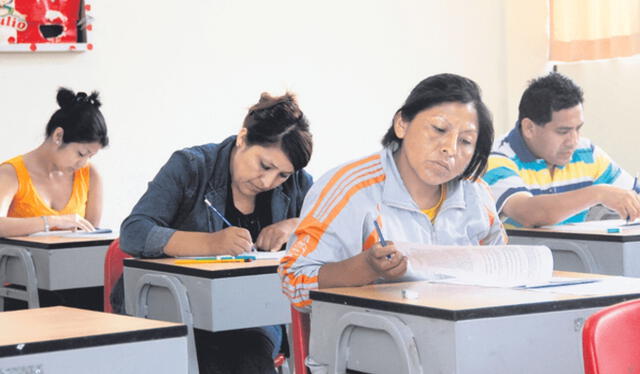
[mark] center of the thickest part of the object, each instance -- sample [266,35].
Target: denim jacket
[174,199]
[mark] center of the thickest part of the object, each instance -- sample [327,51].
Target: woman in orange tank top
[53,186]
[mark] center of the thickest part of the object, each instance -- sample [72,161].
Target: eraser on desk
[613,230]
[408,294]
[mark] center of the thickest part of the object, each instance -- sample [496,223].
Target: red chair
[611,340]
[112,270]
[300,334]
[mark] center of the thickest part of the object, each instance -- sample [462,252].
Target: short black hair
[80,118]
[449,88]
[279,121]
[548,94]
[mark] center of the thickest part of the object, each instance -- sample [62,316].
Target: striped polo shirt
[514,169]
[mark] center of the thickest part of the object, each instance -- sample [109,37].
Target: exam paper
[605,286]
[493,266]
[98,233]
[595,226]
[259,255]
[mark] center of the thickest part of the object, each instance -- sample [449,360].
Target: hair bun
[65,97]
[264,97]
[93,99]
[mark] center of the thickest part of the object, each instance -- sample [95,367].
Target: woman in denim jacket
[254,179]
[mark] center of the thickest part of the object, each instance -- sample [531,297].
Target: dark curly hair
[548,94]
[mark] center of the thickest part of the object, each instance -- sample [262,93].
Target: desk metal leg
[30,294]
[179,293]
[399,332]
[582,252]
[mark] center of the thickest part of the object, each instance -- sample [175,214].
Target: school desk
[51,263]
[588,250]
[62,340]
[221,296]
[451,328]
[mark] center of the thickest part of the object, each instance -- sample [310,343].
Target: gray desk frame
[375,336]
[586,252]
[57,266]
[61,265]
[155,350]
[152,356]
[219,299]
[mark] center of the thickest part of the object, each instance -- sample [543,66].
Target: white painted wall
[172,77]
[612,99]
[611,87]
[527,51]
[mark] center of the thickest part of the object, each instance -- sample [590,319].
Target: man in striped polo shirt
[544,173]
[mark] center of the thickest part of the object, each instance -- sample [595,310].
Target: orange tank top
[27,202]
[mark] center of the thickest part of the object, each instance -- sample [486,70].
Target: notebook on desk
[75,234]
[604,226]
[259,255]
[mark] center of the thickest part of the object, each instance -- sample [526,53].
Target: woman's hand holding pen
[230,241]
[274,236]
[386,261]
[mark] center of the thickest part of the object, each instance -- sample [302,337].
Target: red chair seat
[112,270]
[611,340]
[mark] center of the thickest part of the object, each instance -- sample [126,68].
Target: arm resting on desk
[550,209]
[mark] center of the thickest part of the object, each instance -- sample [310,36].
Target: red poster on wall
[39,21]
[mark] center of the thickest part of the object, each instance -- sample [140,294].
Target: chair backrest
[611,339]
[300,334]
[112,270]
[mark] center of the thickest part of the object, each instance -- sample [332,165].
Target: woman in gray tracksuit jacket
[422,187]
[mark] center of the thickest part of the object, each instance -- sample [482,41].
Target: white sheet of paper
[99,233]
[259,255]
[606,286]
[595,226]
[494,266]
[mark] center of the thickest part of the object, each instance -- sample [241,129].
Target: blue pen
[206,201]
[560,283]
[382,241]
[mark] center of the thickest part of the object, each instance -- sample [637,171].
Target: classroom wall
[171,78]
[610,87]
[174,77]
[611,93]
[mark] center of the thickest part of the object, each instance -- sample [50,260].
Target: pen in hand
[382,241]
[635,184]
[217,212]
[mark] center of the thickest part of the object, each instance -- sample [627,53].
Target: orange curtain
[594,29]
